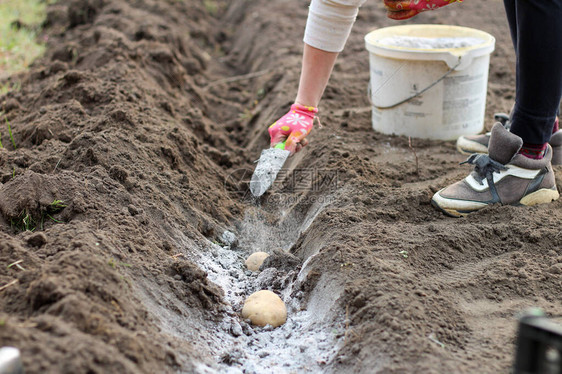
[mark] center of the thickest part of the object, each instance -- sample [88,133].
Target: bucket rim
[372,45]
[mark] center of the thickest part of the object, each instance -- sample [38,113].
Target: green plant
[56,220]
[9,87]
[246,115]
[57,205]
[24,222]
[28,222]
[211,6]
[113,263]
[17,264]
[1,146]
[10,133]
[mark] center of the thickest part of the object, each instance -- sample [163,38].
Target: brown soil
[130,120]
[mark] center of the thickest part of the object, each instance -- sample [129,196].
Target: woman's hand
[404,9]
[293,127]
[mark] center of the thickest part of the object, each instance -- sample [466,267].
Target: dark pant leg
[539,68]
[512,20]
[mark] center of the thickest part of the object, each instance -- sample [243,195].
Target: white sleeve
[329,23]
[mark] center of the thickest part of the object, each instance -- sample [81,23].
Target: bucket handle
[369,91]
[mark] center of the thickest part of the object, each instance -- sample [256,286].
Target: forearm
[317,67]
[327,29]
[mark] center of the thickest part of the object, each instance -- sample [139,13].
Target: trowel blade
[270,162]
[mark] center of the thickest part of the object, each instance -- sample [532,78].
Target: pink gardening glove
[293,127]
[404,9]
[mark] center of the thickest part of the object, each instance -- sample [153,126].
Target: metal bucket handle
[369,90]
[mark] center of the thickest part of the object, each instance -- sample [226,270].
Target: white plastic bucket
[429,93]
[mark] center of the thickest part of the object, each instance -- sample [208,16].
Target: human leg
[469,144]
[518,168]
[539,69]
[510,12]
[505,176]
[479,143]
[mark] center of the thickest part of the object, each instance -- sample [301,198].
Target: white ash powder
[429,43]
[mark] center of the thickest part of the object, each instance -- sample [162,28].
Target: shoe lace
[484,167]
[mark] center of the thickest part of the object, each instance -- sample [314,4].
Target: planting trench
[307,342]
[145,117]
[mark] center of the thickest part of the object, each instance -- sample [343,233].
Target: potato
[255,260]
[265,308]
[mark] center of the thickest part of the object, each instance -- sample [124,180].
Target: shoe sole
[556,155]
[449,212]
[468,147]
[542,196]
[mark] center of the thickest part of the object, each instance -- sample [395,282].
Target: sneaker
[502,177]
[470,144]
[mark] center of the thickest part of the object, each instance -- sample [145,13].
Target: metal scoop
[270,162]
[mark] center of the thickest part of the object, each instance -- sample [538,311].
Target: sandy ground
[142,119]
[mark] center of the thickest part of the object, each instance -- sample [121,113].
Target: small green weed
[246,115]
[17,264]
[1,146]
[24,222]
[113,263]
[28,222]
[10,87]
[55,220]
[211,6]
[57,205]
[10,133]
